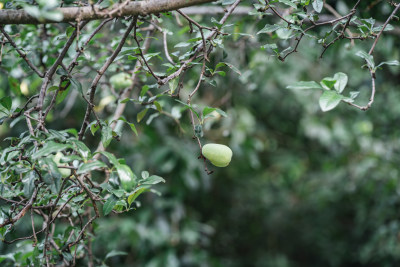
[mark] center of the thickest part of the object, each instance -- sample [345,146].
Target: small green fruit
[121,80]
[218,155]
[63,171]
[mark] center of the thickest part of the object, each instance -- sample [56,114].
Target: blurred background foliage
[304,188]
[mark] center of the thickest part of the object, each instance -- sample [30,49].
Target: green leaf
[109,205]
[139,190]
[62,95]
[125,173]
[154,179]
[51,167]
[368,58]
[329,100]
[82,149]
[189,107]
[341,81]
[76,85]
[133,127]
[269,28]
[390,63]
[49,148]
[106,135]
[94,165]
[145,174]
[232,67]
[173,84]
[318,5]
[158,106]
[144,90]
[29,183]
[288,3]
[208,110]
[141,114]
[114,253]
[327,83]
[6,102]
[304,85]
[111,158]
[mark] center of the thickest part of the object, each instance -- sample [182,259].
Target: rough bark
[94,12]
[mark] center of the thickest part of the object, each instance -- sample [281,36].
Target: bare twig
[22,54]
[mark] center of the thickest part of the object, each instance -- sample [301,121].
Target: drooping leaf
[368,58]
[304,85]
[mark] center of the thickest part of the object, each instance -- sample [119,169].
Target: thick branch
[94,12]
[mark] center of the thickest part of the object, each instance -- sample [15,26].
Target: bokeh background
[304,188]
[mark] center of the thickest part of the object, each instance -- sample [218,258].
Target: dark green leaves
[6,102]
[29,183]
[76,85]
[109,204]
[106,135]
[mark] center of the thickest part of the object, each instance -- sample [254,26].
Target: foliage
[304,188]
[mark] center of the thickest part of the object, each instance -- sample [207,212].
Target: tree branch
[94,12]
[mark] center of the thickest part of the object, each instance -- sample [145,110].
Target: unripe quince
[218,155]
[121,80]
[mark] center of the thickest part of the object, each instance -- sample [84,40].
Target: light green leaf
[154,179]
[141,114]
[304,85]
[368,58]
[139,190]
[341,81]
[329,100]
[114,253]
[390,63]
[318,5]
[288,3]
[269,28]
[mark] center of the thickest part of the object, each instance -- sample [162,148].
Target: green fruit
[218,155]
[121,80]
[57,160]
